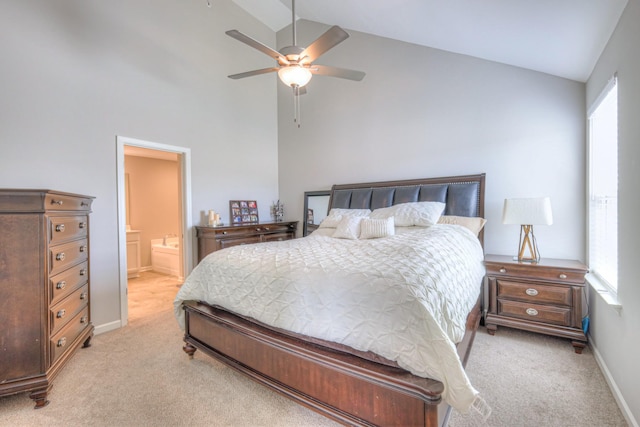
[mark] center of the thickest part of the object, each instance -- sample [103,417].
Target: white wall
[616,335]
[422,112]
[76,73]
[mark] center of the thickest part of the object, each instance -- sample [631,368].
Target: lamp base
[527,242]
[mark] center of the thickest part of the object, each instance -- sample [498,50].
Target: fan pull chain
[296,104]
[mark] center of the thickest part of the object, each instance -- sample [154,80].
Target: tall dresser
[44,287]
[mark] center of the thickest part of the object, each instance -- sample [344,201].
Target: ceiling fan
[295,64]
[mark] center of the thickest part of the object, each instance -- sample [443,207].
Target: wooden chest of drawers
[211,239]
[546,297]
[44,287]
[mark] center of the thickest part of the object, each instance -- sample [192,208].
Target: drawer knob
[531,292]
[62,342]
[83,203]
[83,271]
[60,256]
[532,312]
[83,248]
[60,227]
[224,232]
[61,284]
[83,295]
[562,276]
[82,224]
[503,270]
[83,319]
[60,314]
[56,202]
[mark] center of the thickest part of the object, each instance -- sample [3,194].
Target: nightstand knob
[562,276]
[503,270]
[531,292]
[60,228]
[532,312]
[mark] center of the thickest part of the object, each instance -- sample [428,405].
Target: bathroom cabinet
[44,287]
[133,254]
[211,239]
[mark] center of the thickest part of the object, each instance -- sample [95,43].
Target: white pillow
[474,224]
[349,212]
[348,228]
[330,221]
[422,214]
[371,228]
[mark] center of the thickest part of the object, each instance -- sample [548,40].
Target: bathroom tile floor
[150,293]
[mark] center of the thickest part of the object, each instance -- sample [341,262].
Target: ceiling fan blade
[253,73]
[329,39]
[342,73]
[257,45]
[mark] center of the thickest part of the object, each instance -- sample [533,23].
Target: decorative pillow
[371,228]
[330,221]
[348,228]
[474,224]
[349,212]
[422,214]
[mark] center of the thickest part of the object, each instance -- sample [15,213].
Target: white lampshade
[531,211]
[294,75]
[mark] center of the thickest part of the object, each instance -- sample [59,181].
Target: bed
[322,363]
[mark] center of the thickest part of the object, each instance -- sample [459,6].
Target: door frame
[186,238]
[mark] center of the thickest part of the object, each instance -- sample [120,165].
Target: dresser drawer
[66,202]
[275,237]
[68,281]
[227,243]
[560,316]
[65,228]
[67,254]
[534,293]
[274,228]
[68,308]
[64,339]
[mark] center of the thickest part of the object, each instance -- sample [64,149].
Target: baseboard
[107,327]
[622,404]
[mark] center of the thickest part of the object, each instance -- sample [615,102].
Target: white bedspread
[405,297]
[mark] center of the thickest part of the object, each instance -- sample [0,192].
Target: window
[603,186]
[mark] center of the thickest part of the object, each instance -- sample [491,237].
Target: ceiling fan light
[294,75]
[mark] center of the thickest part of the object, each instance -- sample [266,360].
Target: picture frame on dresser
[243,212]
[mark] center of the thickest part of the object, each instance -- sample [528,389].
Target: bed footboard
[343,387]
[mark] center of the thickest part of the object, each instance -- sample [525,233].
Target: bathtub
[165,258]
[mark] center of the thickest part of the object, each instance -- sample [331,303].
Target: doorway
[156,158]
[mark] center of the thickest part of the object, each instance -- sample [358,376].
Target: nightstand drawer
[534,293]
[535,312]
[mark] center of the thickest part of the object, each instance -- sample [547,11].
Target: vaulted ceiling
[558,37]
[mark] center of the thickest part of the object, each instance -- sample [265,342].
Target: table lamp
[527,213]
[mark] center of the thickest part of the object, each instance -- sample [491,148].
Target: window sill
[606,293]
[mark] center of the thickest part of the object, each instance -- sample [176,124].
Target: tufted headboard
[463,195]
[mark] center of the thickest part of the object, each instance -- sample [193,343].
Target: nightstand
[544,297]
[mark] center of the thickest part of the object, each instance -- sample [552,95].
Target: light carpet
[139,376]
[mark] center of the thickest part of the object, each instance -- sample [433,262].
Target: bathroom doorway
[154,219]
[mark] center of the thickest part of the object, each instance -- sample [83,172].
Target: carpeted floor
[139,376]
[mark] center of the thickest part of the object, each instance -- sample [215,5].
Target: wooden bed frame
[344,387]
